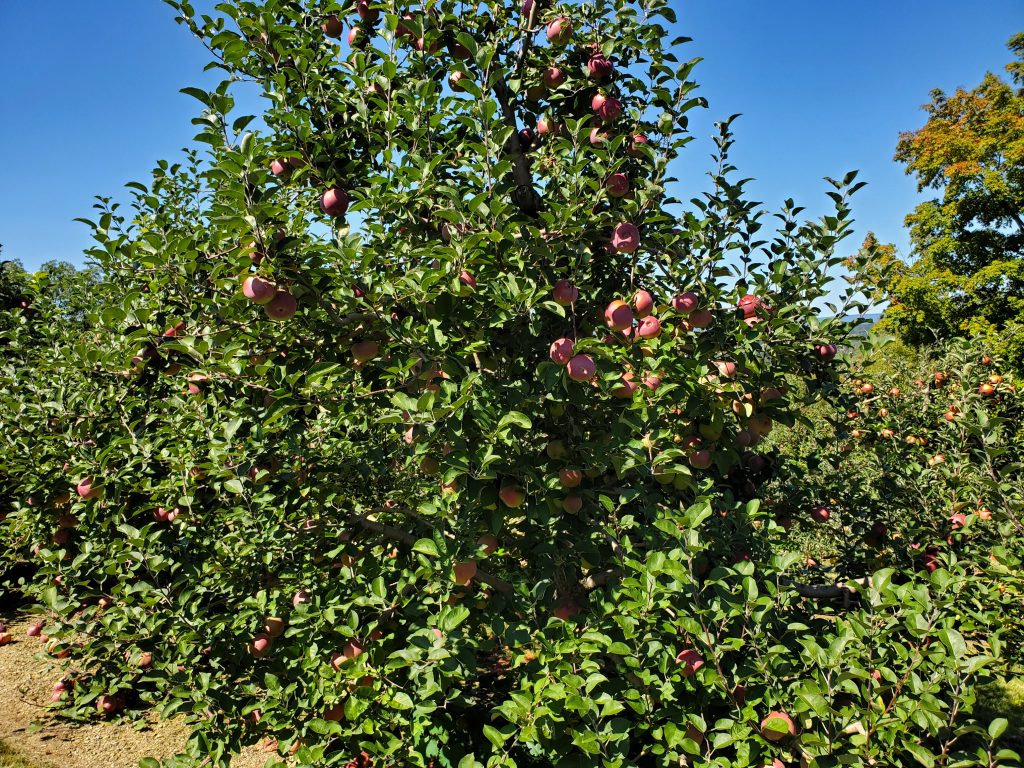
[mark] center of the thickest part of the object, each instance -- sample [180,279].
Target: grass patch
[1005,698]
[11,759]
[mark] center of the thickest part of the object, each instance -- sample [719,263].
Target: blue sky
[90,100]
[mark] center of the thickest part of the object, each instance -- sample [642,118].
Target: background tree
[967,273]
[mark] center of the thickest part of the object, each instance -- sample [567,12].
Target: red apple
[825,352]
[273,626]
[554,77]
[565,293]
[526,139]
[570,478]
[581,368]
[334,713]
[726,368]
[546,126]
[929,560]
[700,459]
[35,630]
[332,26]
[260,645]
[512,496]
[559,31]
[637,143]
[626,238]
[196,382]
[618,316]
[565,610]
[617,185]
[455,81]
[606,107]
[300,597]
[87,489]
[820,514]
[366,13]
[283,307]
[599,67]
[489,544]
[467,283]
[649,328]
[334,202]
[690,660]
[778,726]
[109,705]
[353,649]
[363,351]
[598,137]
[644,303]
[561,351]
[625,387]
[258,290]
[572,504]
[751,305]
[701,318]
[464,572]
[685,303]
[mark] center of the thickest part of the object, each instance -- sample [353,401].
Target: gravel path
[26,682]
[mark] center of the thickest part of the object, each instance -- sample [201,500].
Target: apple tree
[419,422]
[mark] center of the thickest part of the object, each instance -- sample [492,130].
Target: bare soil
[27,676]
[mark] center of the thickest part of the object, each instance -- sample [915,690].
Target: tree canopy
[967,274]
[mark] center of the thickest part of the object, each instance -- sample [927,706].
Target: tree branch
[525,196]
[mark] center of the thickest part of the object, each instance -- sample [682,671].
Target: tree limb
[525,195]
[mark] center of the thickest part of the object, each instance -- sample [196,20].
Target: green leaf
[997,727]
[922,755]
[426,547]
[496,737]
[517,418]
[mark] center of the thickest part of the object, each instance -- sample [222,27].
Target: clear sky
[89,99]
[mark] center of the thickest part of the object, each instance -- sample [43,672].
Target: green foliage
[928,436]
[390,527]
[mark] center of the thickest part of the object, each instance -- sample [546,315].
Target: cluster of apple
[865,390]
[278,302]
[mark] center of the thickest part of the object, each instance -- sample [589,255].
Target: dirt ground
[26,683]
